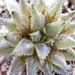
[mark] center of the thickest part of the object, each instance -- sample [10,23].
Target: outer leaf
[35,2]
[21,21]
[59,60]
[64,42]
[13,38]
[68,56]
[3,32]
[18,66]
[37,20]
[53,29]
[24,8]
[69,29]
[71,51]
[41,6]
[42,50]
[12,5]
[31,65]
[35,36]
[9,24]
[5,48]
[46,68]
[59,70]
[67,16]
[54,10]
[25,47]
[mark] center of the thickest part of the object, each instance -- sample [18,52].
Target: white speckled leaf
[13,38]
[35,36]
[59,60]
[12,5]
[37,20]
[52,29]
[68,56]
[67,16]
[64,42]
[46,68]
[24,8]
[41,6]
[54,9]
[5,48]
[60,71]
[22,22]
[71,51]
[69,29]
[42,50]
[9,24]
[25,47]
[17,66]
[31,65]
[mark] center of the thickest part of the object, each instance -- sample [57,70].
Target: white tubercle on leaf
[24,8]
[12,5]
[53,29]
[25,47]
[13,38]
[59,60]
[17,66]
[54,10]
[42,51]
[64,42]
[5,48]
[37,20]
[9,24]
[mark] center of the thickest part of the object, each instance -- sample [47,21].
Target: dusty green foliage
[38,37]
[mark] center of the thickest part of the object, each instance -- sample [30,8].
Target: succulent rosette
[38,37]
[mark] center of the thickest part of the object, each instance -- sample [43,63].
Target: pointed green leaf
[37,20]
[55,9]
[9,24]
[25,47]
[69,29]
[42,51]
[53,29]
[49,42]
[12,5]
[21,21]
[31,65]
[46,68]
[13,38]
[35,36]
[60,71]
[59,60]
[24,8]
[17,66]
[67,16]
[5,48]
[64,42]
